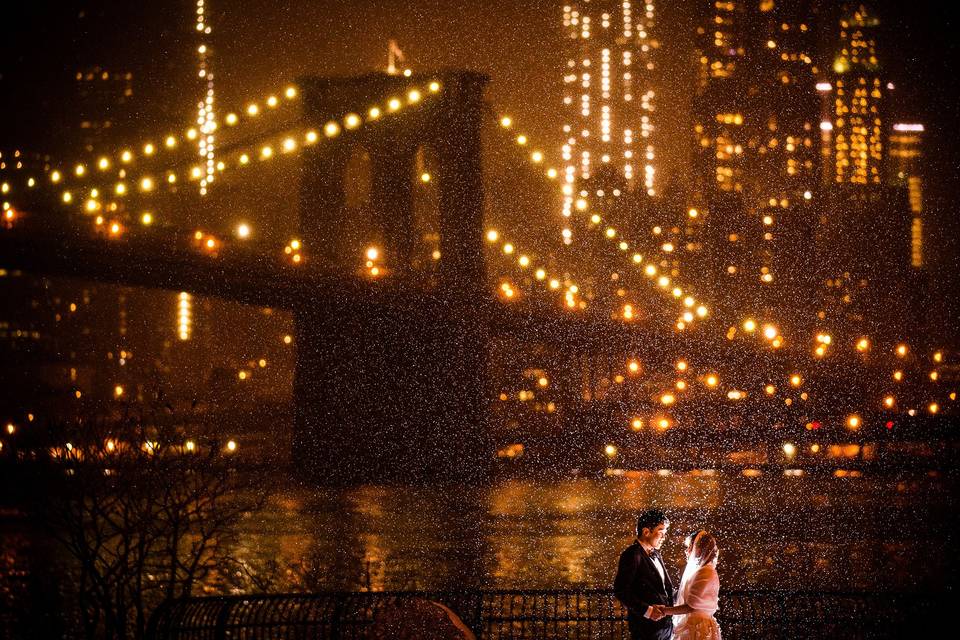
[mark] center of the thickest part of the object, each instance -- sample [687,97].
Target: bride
[699,591]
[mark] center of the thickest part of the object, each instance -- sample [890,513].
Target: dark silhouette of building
[66,338]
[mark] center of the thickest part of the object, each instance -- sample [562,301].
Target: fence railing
[549,615]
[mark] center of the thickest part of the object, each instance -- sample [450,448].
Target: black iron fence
[550,615]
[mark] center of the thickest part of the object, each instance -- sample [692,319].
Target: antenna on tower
[394,55]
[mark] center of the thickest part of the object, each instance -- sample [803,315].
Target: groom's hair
[650,518]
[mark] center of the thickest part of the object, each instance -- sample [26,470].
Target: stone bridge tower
[392,386]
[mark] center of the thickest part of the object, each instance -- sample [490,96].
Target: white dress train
[701,591]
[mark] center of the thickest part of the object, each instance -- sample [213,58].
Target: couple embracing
[655,610]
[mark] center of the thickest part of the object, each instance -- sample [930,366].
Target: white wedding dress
[700,589]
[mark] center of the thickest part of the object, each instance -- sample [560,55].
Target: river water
[808,532]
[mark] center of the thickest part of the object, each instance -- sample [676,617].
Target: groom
[643,583]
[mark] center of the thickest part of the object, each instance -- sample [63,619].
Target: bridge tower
[393,386]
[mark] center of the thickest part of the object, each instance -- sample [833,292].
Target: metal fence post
[337,615]
[220,631]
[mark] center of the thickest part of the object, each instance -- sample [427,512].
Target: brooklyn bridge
[390,355]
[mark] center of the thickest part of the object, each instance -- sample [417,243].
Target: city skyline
[609,97]
[315,296]
[162,55]
[721,117]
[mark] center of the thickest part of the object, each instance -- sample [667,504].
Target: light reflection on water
[806,533]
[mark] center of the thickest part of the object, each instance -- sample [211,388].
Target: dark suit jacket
[638,586]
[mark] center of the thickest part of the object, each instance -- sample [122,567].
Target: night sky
[261,44]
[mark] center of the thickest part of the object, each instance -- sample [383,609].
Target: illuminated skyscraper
[717,235]
[104,105]
[755,151]
[609,96]
[718,108]
[781,189]
[857,151]
[864,231]
[903,170]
